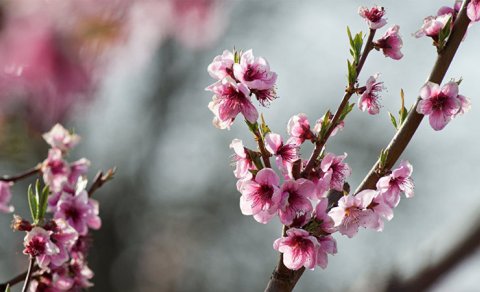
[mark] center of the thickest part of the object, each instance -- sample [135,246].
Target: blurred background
[129,77]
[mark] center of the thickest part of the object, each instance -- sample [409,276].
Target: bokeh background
[129,77]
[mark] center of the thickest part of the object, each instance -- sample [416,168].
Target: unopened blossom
[397,182]
[299,248]
[232,98]
[254,72]
[243,162]
[451,10]
[327,225]
[373,16]
[295,200]
[5,197]
[222,66]
[55,170]
[299,129]
[473,10]
[328,245]
[59,137]
[261,196]
[339,170]
[352,213]
[79,211]
[284,153]
[391,43]
[432,26]
[440,104]
[369,101]
[318,126]
[38,244]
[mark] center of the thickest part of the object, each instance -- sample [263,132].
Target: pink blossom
[5,197]
[38,244]
[79,211]
[432,26]
[318,126]
[59,137]
[81,273]
[441,105]
[299,129]
[352,213]
[398,181]
[299,248]
[369,99]
[373,16]
[254,72]
[380,207]
[284,153]
[451,10]
[261,196]
[327,225]
[328,245]
[391,43]
[55,170]
[339,170]
[295,200]
[221,66]
[214,107]
[242,159]
[232,98]
[473,10]
[265,96]
[64,237]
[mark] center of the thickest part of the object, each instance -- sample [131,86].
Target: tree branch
[100,179]
[29,274]
[23,175]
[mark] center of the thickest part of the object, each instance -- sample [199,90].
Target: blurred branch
[431,274]
[17,279]
[100,179]
[23,175]
[31,263]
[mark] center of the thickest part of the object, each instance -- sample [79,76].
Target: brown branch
[17,279]
[29,274]
[401,139]
[22,175]
[348,94]
[431,274]
[100,179]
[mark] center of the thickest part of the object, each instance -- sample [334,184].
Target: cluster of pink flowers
[61,244]
[237,81]
[442,104]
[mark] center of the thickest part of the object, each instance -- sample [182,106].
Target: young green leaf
[444,34]
[393,120]
[42,206]
[32,202]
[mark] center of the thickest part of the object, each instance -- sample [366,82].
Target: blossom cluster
[311,197]
[60,244]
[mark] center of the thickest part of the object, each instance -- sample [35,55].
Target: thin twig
[100,179]
[29,274]
[348,94]
[261,146]
[22,175]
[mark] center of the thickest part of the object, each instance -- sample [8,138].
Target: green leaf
[394,121]
[444,34]
[42,206]
[32,202]
[346,111]
[264,127]
[383,158]
[403,112]
[253,127]
[7,289]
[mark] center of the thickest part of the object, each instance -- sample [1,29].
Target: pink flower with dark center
[339,170]
[5,197]
[254,72]
[79,211]
[327,225]
[299,129]
[265,96]
[59,137]
[295,200]
[432,26]
[55,170]
[473,10]
[261,196]
[284,153]
[81,273]
[38,244]
[222,66]
[299,249]
[369,99]
[328,245]
[233,98]
[391,43]
[64,237]
[352,213]
[242,159]
[318,126]
[214,107]
[380,207]
[398,181]
[440,104]
[373,16]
